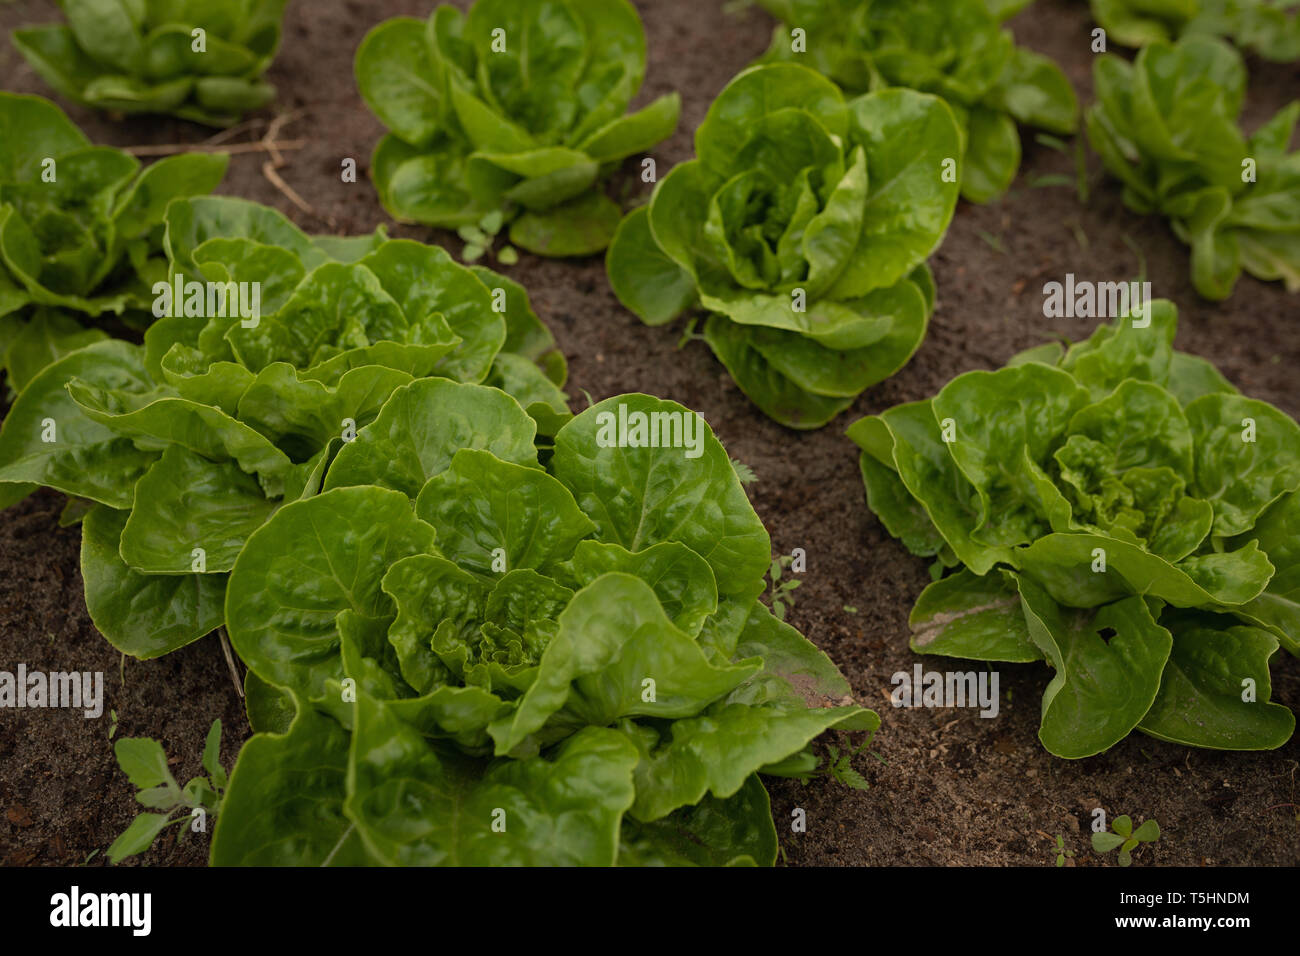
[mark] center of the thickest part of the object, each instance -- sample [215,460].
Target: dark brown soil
[948,787]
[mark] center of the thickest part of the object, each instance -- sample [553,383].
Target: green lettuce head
[1166,125]
[1116,510]
[955,49]
[272,350]
[1267,28]
[200,60]
[802,228]
[484,659]
[515,112]
[80,236]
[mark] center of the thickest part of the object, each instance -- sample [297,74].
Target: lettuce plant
[1116,510]
[80,231]
[512,112]
[461,655]
[80,237]
[951,48]
[1267,28]
[200,60]
[1166,127]
[193,440]
[802,228]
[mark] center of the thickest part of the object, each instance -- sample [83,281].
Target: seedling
[840,766]
[1141,256]
[744,472]
[1051,142]
[780,593]
[992,241]
[1076,230]
[689,335]
[805,767]
[1081,170]
[143,760]
[1080,180]
[1062,854]
[1125,837]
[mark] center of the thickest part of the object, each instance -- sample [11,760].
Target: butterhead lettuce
[80,228]
[200,60]
[1116,510]
[1166,126]
[192,441]
[516,109]
[1268,28]
[955,49]
[802,227]
[80,237]
[490,660]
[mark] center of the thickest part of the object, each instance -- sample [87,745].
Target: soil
[946,787]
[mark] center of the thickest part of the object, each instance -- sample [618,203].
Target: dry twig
[230,662]
[268,170]
[172,149]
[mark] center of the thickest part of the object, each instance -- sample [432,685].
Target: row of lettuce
[204,60]
[801,228]
[824,179]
